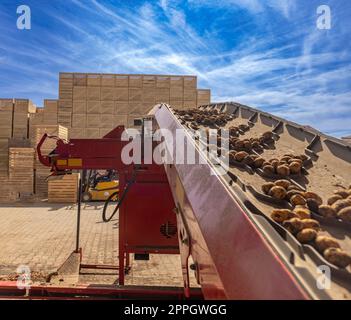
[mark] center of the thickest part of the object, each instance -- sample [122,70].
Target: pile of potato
[338,206]
[298,220]
[284,166]
[199,117]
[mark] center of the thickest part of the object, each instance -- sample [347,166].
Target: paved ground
[43,235]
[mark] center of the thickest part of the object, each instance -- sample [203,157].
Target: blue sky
[265,53]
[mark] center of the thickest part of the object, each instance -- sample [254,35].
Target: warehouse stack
[88,106]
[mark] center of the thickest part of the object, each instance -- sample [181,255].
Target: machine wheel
[110,207]
[86,196]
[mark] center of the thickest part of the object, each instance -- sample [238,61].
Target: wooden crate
[136,108]
[106,121]
[163,82]
[121,120]
[104,131]
[189,104]
[190,94]
[79,107]
[92,133]
[38,131]
[93,80]
[93,107]
[79,93]
[135,94]
[66,79]
[50,118]
[5,124]
[203,97]
[21,105]
[176,93]
[107,93]
[78,133]
[6,105]
[121,81]
[162,94]
[108,80]
[63,189]
[65,93]
[79,79]
[149,81]
[149,95]
[107,107]
[135,81]
[64,119]
[93,121]
[4,156]
[20,125]
[65,105]
[121,94]
[176,104]
[79,120]
[190,82]
[121,108]
[93,93]
[50,106]
[21,169]
[176,81]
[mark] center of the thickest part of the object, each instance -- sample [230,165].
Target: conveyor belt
[328,168]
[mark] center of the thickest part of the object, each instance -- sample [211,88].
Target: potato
[283,170]
[337,257]
[295,167]
[311,224]
[247,145]
[275,164]
[291,193]
[303,157]
[258,163]
[312,195]
[333,199]
[303,213]
[283,183]
[342,193]
[240,156]
[297,199]
[293,225]
[267,135]
[306,235]
[280,215]
[341,204]
[345,214]
[313,205]
[232,156]
[327,211]
[285,158]
[323,243]
[277,192]
[248,160]
[268,169]
[267,187]
[273,160]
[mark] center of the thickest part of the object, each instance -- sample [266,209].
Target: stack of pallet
[63,189]
[21,164]
[42,172]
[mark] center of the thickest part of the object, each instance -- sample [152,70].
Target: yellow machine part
[103,190]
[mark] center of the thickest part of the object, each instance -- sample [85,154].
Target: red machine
[185,209]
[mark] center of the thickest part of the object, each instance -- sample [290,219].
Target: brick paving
[42,236]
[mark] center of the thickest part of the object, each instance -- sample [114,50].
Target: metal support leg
[78,213]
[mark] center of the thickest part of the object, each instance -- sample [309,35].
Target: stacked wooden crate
[63,189]
[21,164]
[42,172]
[203,97]
[22,108]
[100,102]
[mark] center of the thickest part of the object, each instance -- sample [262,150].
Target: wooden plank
[190,82]
[65,105]
[122,81]
[21,105]
[135,81]
[50,118]
[64,119]
[108,80]
[92,133]
[135,94]
[106,121]
[78,133]
[93,121]
[107,93]
[121,94]
[176,81]
[79,79]
[163,82]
